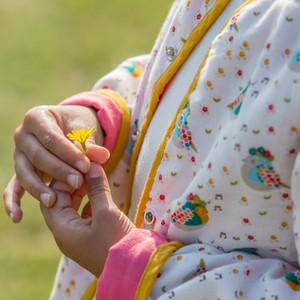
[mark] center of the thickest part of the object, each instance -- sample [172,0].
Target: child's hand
[86,239]
[43,152]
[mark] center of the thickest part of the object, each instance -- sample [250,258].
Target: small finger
[32,183]
[12,198]
[60,216]
[97,154]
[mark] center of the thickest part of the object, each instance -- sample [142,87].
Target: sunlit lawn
[49,50]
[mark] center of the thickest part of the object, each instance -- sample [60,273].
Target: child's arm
[42,150]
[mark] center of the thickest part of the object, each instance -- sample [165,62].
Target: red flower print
[205,109]
[246,221]
[292,151]
[250,238]
[285,196]
[162,197]
[239,73]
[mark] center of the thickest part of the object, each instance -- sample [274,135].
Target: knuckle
[31,114]
[18,133]
[35,155]
[97,188]
[33,190]
[30,186]
[18,171]
[57,173]
[4,196]
[49,140]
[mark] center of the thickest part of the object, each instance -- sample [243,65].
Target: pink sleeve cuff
[108,112]
[126,263]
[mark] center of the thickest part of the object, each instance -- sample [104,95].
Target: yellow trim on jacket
[195,36]
[157,260]
[162,145]
[123,134]
[90,291]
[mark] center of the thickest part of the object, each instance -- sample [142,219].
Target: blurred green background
[49,50]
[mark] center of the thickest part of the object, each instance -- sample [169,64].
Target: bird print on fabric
[294,63]
[182,135]
[293,280]
[199,270]
[192,215]
[258,171]
[134,68]
[236,105]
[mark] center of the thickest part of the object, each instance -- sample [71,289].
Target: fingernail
[95,171]
[81,166]
[11,215]
[73,181]
[45,198]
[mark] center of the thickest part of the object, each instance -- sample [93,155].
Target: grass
[50,50]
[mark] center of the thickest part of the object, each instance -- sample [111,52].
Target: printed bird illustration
[294,62]
[134,68]
[182,136]
[233,24]
[199,270]
[192,215]
[236,105]
[293,280]
[258,171]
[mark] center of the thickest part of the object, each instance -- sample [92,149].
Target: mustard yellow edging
[161,83]
[162,145]
[90,291]
[124,131]
[157,260]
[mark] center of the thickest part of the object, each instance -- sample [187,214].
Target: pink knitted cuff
[126,263]
[108,112]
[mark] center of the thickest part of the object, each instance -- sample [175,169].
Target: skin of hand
[43,152]
[87,238]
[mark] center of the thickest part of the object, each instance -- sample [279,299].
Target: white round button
[171,52]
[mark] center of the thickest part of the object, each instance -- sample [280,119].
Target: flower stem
[84,148]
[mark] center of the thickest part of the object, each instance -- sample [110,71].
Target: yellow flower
[81,136]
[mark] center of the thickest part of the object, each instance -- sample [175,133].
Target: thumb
[97,186]
[97,153]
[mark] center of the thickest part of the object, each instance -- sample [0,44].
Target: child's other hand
[86,239]
[43,152]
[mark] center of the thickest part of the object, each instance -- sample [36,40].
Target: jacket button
[171,52]
[135,136]
[149,217]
